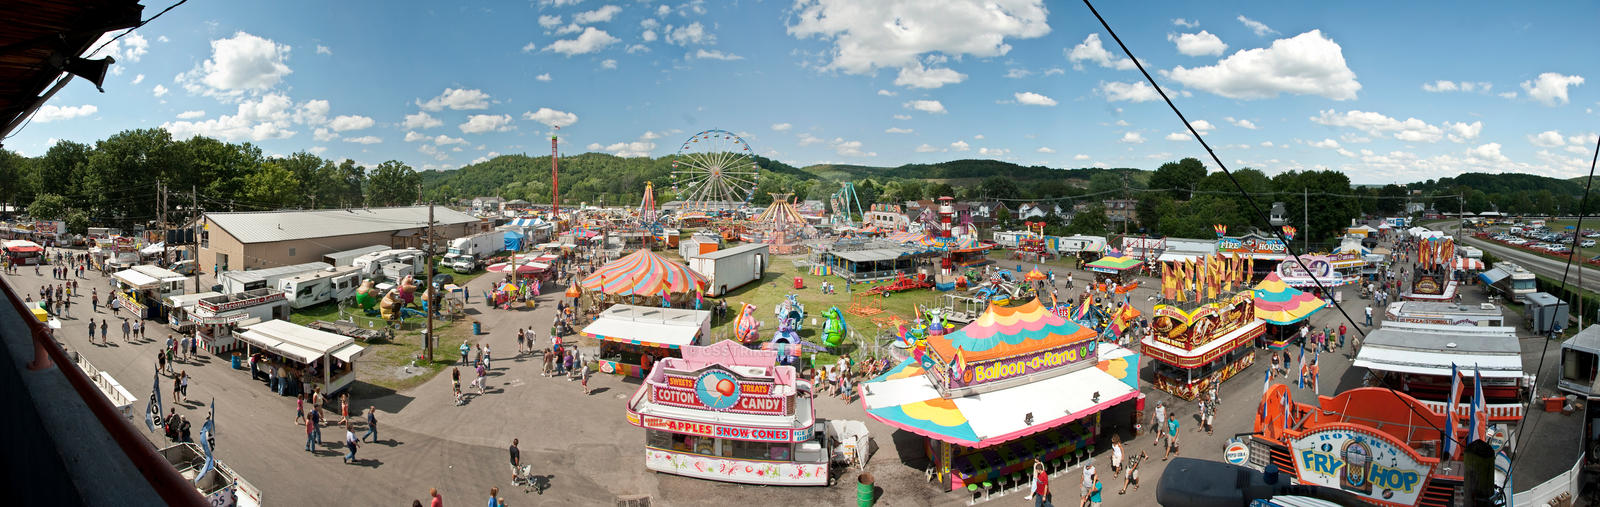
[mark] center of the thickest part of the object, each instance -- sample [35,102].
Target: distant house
[988,209]
[1415,207]
[1032,211]
[516,204]
[487,204]
[1121,210]
[1279,215]
[888,217]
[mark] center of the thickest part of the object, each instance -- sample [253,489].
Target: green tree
[1150,210]
[1002,217]
[13,184]
[1180,178]
[392,183]
[78,222]
[62,168]
[1107,185]
[1090,221]
[348,183]
[124,170]
[939,190]
[48,207]
[1391,199]
[1000,187]
[906,190]
[273,186]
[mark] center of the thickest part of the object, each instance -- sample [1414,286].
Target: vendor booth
[1434,278]
[1329,271]
[1451,314]
[1196,348]
[179,308]
[634,337]
[1018,383]
[1285,310]
[725,412]
[1118,269]
[1418,358]
[312,359]
[141,289]
[219,317]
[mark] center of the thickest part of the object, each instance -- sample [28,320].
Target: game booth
[1374,443]
[632,338]
[1284,308]
[1328,270]
[141,289]
[724,412]
[317,359]
[1205,336]
[1114,268]
[1019,383]
[1434,278]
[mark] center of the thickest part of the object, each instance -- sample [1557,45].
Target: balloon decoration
[1288,232]
[747,329]
[835,331]
[1222,229]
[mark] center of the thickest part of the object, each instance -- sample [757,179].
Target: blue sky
[1383,91]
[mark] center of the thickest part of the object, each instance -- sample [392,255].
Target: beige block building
[258,240]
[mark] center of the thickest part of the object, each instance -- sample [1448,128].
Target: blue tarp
[514,241]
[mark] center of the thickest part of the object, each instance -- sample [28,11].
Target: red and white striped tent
[1469,264]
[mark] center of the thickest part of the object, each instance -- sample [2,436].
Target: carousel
[1284,308]
[1017,384]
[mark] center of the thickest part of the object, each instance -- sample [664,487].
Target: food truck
[219,316]
[318,358]
[179,308]
[1450,314]
[629,333]
[21,252]
[724,412]
[141,289]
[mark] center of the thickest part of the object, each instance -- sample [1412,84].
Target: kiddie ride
[791,315]
[835,330]
[909,335]
[902,283]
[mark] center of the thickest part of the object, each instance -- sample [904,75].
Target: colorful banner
[1251,244]
[713,430]
[719,389]
[1071,357]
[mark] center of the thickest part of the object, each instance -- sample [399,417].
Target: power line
[1288,247]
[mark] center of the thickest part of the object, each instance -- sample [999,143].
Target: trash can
[476,328]
[235,361]
[864,489]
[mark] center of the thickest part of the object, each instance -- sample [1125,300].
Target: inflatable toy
[835,330]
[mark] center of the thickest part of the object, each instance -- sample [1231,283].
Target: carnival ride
[647,219]
[901,283]
[835,330]
[780,226]
[747,329]
[714,170]
[786,340]
[845,206]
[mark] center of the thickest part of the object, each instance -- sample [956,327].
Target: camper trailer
[234,282]
[345,258]
[372,264]
[332,284]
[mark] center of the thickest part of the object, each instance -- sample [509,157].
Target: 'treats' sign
[1073,356]
[1364,463]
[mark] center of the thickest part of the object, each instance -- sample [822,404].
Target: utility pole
[199,217]
[1305,208]
[427,337]
[161,216]
[555,181]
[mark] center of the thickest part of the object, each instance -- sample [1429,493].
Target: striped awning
[643,273]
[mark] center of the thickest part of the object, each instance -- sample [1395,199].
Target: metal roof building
[256,240]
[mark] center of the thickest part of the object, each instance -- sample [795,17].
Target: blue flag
[1478,415]
[206,433]
[152,412]
[1448,440]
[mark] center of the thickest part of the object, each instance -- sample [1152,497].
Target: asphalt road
[1536,263]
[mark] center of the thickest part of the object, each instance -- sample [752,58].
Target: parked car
[185,268]
[1586,243]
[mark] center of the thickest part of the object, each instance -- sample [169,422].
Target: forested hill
[1504,183]
[593,177]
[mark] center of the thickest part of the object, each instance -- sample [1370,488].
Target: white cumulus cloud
[1132,138]
[1045,149]
[421,120]
[50,113]
[1550,88]
[918,76]
[190,115]
[926,106]
[782,127]
[324,50]
[1325,144]
[543,77]
[897,130]
[1463,132]
[1198,44]
[1092,50]
[1177,136]
[260,119]
[896,33]
[1136,91]
[693,33]
[413,136]
[442,140]
[1176,22]
[1033,99]
[240,63]
[1377,124]
[549,21]
[1239,122]
[600,15]
[960,146]
[456,99]
[344,123]
[591,40]
[480,123]
[364,140]
[927,148]
[551,118]
[1306,64]
[712,54]
[1547,139]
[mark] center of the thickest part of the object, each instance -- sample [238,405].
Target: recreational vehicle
[332,284]
[234,282]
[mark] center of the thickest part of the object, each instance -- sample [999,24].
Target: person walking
[351,443]
[299,407]
[183,387]
[161,362]
[372,424]
[315,418]
[177,386]
[1116,455]
[344,408]
[1172,438]
[1133,474]
[1369,315]
[311,434]
[125,329]
[91,330]
[1342,331]
[516,460]
[1093,499]
[103,335]
[1040,492]
[1159,422]
[583,377]
[494,497]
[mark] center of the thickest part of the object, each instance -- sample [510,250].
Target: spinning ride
[714,170]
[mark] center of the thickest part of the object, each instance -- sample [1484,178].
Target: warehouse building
[256,240]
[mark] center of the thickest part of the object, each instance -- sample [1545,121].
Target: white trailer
[731,268]
[372,264]
[480,245]
[1073,245]
[346,257]
[234,282]
[332,284]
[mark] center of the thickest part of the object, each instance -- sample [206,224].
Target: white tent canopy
[306,346]
[668,327]
[153,249]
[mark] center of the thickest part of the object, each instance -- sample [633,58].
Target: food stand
[1330,270]
[629,333]
[141,289]
[1018,383]
[1417,359]
[179,308]
[219,316]
[1284,308]
[21,252]
[317,358]
[725,412]
[1114,268]
[1211,343]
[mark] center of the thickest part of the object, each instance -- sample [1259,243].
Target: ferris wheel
[714,169]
